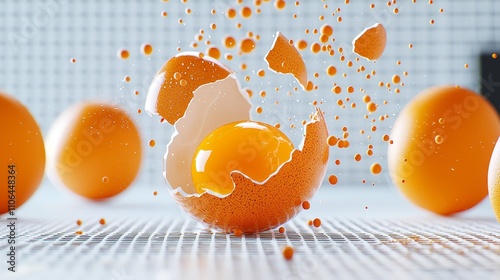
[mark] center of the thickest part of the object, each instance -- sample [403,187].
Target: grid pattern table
[139,248]
[362,238]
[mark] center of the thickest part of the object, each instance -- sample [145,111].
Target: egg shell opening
[254,207]
[172,88]
[212,106]
[284,58]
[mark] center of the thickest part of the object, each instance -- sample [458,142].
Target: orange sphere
[449,175]
[494,180]
[23,153]
[93,149]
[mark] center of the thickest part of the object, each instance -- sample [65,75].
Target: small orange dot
[317,222]
[102,221]
[152,143]
[281,230]
[155,193]
[123,54]
[146,49]
[279,4]
[231,13]
[332,140]
[375,168]
[288,252]
[331,70]
[332,179]
[79,232]
[306,205]
[79,222]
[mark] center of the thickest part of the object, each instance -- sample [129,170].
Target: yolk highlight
[256,149]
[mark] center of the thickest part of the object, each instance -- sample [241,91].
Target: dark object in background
[490,78]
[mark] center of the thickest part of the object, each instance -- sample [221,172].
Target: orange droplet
[371,107]
[102,221]
[438,139]
[213,52]
[288,252]
[317,222]
[370,43]
[229,41]
[261,73]
[79,232]
[79,222]
[285,58]
[332,140]
[231,13]
[396,79]
[123,54]
[375,168]
[306,205]
[247,45]
[326,30]
[281,230]
[152,143]
[155,193]
[332,179]
[146,49]
[259,110]
[301,45]
[73,60]
[331,70]
[246,12]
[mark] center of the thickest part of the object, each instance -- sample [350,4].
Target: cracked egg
[227,171]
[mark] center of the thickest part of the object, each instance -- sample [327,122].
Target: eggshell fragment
[212,106]
[254,207]
[285,58]
[370,43]
[172,87]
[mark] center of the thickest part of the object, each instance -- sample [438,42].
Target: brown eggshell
[252,207]
[172,88]
[285,58]
[370,43]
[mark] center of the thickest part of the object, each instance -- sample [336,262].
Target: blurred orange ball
[443,140]
[22,153]
[494,180]
[94,150]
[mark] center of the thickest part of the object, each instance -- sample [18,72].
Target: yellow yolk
[255,149]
